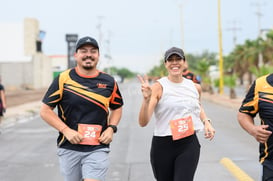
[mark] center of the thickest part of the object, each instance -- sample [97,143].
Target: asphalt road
[28,151]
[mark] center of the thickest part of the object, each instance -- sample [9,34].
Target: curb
[23,112]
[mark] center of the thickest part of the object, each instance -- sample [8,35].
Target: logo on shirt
[101,85]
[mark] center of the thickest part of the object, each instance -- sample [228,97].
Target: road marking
[237,172]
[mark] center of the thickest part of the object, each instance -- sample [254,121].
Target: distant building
[22,63]
[59,64]
[214,72]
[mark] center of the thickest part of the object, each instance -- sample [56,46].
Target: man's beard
[88,67]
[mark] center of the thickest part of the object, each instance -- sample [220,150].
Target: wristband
[115,129]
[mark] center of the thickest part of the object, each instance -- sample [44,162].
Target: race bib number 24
[90,133]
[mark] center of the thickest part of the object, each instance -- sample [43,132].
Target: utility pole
[221,61]
[99,27]
[182,26]
[181,5]
[259,17]
[100,40]
[108,53]
[234,30]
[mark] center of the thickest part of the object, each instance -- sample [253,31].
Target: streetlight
[71,45]
[221,61]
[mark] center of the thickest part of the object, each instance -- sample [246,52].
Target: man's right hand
[72,136]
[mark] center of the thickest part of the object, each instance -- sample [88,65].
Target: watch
[115,129]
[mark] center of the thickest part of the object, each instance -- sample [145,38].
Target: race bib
[181,128]
[90,133]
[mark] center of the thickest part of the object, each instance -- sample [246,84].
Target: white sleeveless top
[178,100]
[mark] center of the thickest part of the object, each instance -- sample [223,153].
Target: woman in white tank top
[175,102]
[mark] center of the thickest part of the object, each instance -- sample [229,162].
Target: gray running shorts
[76,165]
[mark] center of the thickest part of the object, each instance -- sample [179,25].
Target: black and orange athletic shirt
[259,99]
[189,75]
[82,99]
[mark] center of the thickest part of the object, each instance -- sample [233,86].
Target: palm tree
[203,70]
[240,65]
[262,70]
[230,81]
[267,45]
[246,56]
[252,53]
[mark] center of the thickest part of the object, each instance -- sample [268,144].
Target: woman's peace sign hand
[145,87]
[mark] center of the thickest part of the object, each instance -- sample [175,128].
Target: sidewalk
[22,104]
[21,112]
[223,100]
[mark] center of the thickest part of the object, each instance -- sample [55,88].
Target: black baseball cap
[86,41]
[176,51]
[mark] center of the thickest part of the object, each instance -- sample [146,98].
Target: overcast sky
[138,32]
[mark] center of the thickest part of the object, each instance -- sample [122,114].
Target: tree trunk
[250,78]
[211,90]
[232,93]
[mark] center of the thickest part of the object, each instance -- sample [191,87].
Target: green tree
[203,69]
[193,59]
[244,57]
[267,48]
[262,70]
[230,82]
[122,72]
[238,61]
[158,71]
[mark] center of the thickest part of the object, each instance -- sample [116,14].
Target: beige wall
[31,32]
[59,62]
[27,75]
[33,69]
[14,75]
[42,71]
